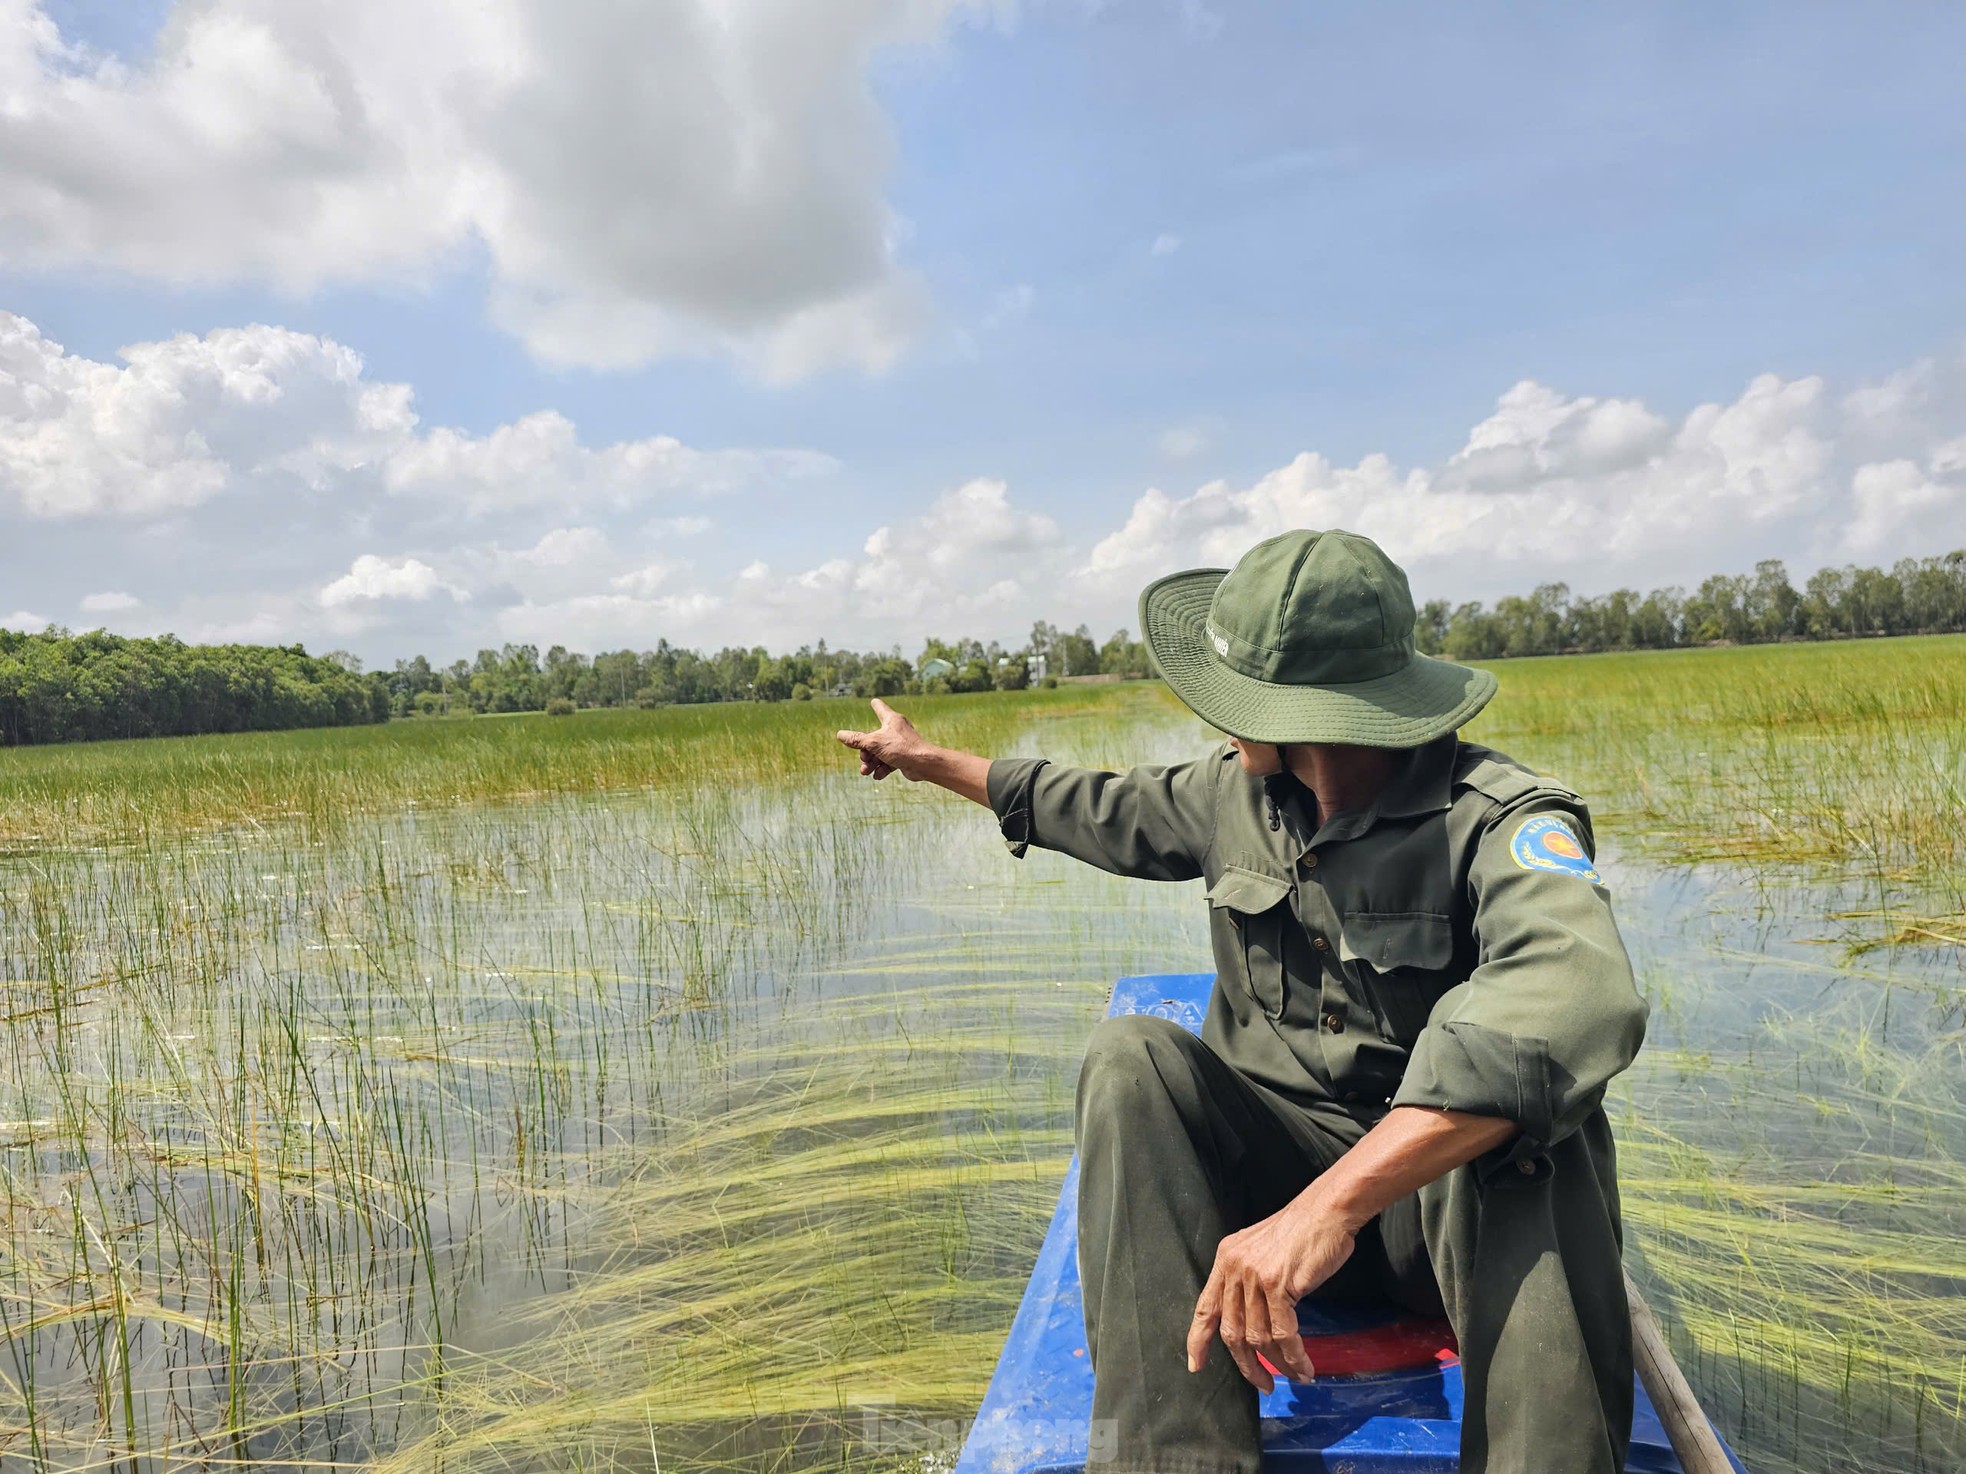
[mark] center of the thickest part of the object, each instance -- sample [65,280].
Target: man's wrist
[930,764]
[1330,1200]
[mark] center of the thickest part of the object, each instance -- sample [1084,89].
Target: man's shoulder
[1491,779]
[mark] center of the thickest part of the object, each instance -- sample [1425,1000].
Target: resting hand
[1251,1296]
[893,747]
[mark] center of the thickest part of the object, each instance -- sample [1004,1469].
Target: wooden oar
[1693,1438]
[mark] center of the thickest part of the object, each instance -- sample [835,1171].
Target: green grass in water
[536,1094]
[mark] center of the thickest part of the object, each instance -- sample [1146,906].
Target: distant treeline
[1915,596]
[57,687]
[519,678]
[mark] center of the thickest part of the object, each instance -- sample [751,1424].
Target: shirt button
[1526,1167]
[1321,944]
[1308,862]
[1335,1022]
[1350,1096]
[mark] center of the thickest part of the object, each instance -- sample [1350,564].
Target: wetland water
[719,1130]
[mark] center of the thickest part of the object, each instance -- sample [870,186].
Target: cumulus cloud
[1895,495]
[267,410]
[180,421]
[1164,245]
[617,621]
[327,513]
[974,554]
[973,560]
[692,177]
[113,601]
[1553,485]
[24,622]
[680,526]
[539,460]
[371,578]
[646,581]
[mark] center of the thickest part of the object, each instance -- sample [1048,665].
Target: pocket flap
[1389,940]
[1247,891]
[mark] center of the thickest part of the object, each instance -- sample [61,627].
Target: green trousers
[1178,1149]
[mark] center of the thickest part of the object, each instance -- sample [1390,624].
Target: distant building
[937,667]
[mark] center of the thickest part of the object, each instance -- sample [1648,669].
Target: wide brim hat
[1309,638]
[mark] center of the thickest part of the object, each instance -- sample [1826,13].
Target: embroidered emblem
[1547,843]
[1221,645]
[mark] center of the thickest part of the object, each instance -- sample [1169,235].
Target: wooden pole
[1693,1438]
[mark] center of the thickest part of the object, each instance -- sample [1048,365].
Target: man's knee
[1135,1066]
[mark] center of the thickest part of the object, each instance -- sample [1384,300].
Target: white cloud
[1548,483]
[181,421]
[1183,442]
[973,560]
[373,578]
[539,460]
[594,622]
[243,479]
[643,582]
[667,527]
[1893,497]
[24,622]
[564,547]
[691,177]
[266,410]
[1164,245]
[112,602]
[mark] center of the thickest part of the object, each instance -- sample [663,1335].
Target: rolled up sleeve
[1151,823]
[1551,1011]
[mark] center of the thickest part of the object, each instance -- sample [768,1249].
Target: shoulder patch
[1547,842]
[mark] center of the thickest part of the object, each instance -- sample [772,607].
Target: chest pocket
[1407,958]
[1261,917]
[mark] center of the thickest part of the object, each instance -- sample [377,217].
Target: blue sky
[1010,310]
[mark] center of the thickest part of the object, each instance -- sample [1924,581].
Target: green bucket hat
[1309,638]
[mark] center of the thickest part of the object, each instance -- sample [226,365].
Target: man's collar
[1423,783]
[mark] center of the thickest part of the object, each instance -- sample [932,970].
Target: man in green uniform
[1398,1088]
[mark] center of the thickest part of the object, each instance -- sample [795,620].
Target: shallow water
[722,1131]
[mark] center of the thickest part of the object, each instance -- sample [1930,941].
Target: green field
[573,1092]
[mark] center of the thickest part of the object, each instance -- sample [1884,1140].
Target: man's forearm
[959,772]
[1409,1148]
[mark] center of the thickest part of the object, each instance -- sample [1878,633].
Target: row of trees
[58,687]
[1914,596]
[519,678]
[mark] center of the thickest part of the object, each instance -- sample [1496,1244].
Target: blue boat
[1387,1399]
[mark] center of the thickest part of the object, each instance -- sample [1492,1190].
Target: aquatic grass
[848,1231]
[1847,753]
[641,1087]
[293,1117]
[91,793]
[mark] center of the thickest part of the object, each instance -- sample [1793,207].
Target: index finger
[883,710]
[1208,1315]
